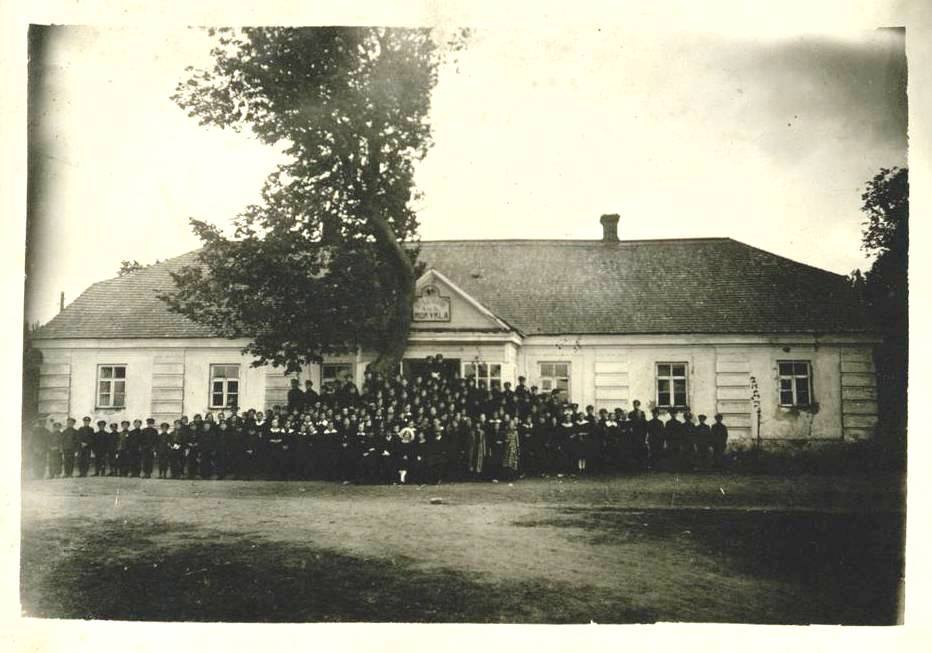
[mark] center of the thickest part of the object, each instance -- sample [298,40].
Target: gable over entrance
[440,305]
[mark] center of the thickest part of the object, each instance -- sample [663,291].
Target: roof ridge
[791,260]
[575,241]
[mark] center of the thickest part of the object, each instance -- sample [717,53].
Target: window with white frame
[224,386]
[671,385]
[331,373]
[795,383]
[488,373]
[555,376]
[111,386]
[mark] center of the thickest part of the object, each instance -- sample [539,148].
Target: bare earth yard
[638,549]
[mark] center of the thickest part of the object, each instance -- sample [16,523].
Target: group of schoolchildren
[432,428]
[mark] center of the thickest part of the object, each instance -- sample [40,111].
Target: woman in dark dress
[566,443]
[496,445]
[274,442]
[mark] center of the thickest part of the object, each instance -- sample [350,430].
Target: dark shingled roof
[710,285]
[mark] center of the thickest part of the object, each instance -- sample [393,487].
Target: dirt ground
[659,547]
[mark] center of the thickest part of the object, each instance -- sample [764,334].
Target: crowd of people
[428,429]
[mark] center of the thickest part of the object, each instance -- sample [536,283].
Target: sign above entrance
[429,306]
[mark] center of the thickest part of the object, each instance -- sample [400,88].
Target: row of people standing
[436,426]
[297,446]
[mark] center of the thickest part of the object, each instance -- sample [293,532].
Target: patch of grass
[114,571]
[667,547]
[851,563]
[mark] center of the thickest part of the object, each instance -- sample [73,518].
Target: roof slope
[127,307]
[714,285]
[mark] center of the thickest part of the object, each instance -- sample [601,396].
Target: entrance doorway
[449,368]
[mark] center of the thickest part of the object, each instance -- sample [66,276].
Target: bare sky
[766,140]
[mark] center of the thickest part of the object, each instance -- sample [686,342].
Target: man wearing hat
[122,447]
[673,436]
[719,437]
[703,441]
[113,448]
[134,448]
[85,441]
[655,439]
[69,444]
[147,443]
[100,448]
[163,448]
[638,425]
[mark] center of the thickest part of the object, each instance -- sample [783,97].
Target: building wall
[721,376]
[163,380]
[168,378]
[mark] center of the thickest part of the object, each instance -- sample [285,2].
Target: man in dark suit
[296,397]
[100,448]
[69,444]
[113,450]
[719,437]
[148,442]
[673,436]
[123,449]
[85,441]
[134,448]
[638,426]
[310,395]
[163,449]
[703,436]
[655,439]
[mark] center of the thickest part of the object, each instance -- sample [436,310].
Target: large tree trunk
[397,342]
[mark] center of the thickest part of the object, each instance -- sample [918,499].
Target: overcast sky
[765,140]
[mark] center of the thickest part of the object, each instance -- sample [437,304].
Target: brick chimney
[609,227]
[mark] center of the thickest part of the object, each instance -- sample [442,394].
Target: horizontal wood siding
[55,388]
[859,411]
[168,387]
[733,392]
[612,386]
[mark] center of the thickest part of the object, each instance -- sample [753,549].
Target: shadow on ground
[114,571]
[848,567]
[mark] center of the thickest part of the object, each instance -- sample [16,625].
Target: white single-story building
[711,323]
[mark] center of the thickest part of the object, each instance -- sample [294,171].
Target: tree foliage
[326,263]
[128,267]
[885,289]
[886,204]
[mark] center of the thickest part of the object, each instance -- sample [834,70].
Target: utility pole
[61,301]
